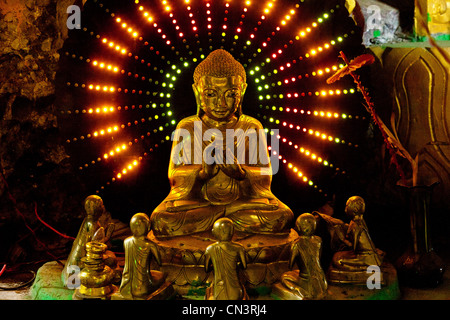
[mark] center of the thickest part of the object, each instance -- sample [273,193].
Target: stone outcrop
[34,166]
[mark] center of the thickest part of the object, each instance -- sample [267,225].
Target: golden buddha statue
[226,257]
[308,282]
[205,187]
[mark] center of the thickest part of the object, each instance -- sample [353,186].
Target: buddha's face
[219,98]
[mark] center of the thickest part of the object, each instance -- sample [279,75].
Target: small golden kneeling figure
[351,266]
[226,257]
[309,281]
[97,227]
[138,281]
[363,252]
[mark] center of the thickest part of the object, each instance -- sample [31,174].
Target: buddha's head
[355,206]
[140,224]
[94,206]
[306,224]
[219,86]
[223,229]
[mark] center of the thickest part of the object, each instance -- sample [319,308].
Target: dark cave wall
[34,166]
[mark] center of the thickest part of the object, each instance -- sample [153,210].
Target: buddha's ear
[196,93]
[244,87]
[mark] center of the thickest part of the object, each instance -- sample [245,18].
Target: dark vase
[420,266]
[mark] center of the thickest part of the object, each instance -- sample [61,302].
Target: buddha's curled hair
[219,63]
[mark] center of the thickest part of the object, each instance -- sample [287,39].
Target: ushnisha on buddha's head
[219,86]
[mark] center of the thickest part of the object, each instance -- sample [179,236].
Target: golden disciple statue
[95,227]
[226,257]
[138,281]
[309,281]
[219,163]
[363,252]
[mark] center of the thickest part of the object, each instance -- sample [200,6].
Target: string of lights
[152,47]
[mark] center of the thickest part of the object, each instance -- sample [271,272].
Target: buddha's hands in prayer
[233,170]
[208,171]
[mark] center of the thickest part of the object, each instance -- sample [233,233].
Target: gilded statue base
[183,260]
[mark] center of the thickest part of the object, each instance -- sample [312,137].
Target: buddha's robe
[194,204]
